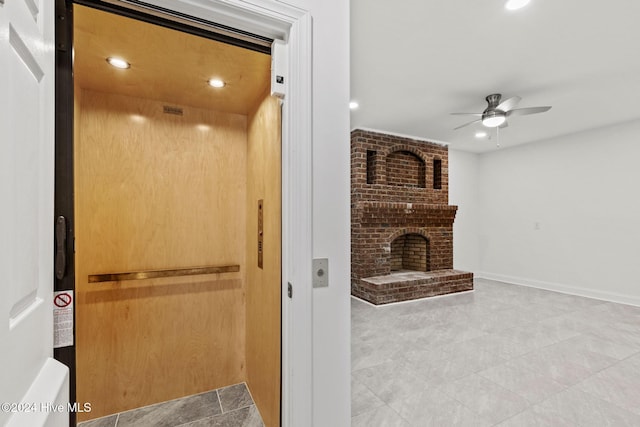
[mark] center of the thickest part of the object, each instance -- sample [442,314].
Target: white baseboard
[559,287]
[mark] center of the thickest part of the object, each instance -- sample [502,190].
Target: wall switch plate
[320,272]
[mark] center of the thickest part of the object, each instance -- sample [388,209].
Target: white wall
[464,192]
[581,192]
[331,211]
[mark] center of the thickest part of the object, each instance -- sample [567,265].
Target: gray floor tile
[537,335]
[619,384]
[458,365]
[593,344]
[493,322]
[501,346]
[564,364]
[433,407]
[376,351]
[530,418]
[504,354]
[583,409]
[109,421]
[234,397]
[244,417]
[433,335]
[527,383]
[487,399]
[634,362]
[434,356]
[391,379]
[382,416]
[620,332]
[363,399]
[173,412]
[205,409]
[620,311]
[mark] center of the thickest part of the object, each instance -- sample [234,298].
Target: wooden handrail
[153,274]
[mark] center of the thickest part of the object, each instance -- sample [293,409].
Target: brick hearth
[401,220]
[408,285]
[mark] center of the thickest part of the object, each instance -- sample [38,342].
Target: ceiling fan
[496,114]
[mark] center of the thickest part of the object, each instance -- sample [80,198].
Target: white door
[26,208]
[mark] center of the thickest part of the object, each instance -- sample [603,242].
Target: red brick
[398,219]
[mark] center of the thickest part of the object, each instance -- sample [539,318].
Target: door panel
[24,90]
[264,283]
[158,191]
[26,193]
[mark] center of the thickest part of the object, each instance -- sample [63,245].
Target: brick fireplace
[401,220]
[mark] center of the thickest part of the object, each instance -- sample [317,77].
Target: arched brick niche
[406,169]
[401,222]
[410,252]
[389,168]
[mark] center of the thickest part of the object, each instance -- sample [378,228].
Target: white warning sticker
[62,319]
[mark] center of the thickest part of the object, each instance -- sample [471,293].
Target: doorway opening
[173,176]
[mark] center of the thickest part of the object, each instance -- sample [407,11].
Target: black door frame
[64,278]
[64,131]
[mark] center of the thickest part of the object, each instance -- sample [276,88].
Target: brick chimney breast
[401,220]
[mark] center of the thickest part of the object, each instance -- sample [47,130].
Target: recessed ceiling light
[353,105]
[118,62]
[481,134]
[216,83]
[516,4]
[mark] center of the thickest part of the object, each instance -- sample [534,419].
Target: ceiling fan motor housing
[491,116]
[493,101]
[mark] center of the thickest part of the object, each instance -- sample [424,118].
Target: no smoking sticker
[62,319]
[62,299]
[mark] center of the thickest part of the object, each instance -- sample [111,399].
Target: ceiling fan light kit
[493,119]
[497,112]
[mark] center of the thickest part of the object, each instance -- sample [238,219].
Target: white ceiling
[413,62]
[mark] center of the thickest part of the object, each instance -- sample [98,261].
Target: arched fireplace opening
[410,252]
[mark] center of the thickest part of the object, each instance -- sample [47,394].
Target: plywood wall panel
[158,191]
[264,284]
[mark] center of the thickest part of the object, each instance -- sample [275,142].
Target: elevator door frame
[266,18]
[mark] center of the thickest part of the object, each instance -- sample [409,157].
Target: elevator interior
[172,174]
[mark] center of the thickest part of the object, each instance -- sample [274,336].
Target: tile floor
[225,407]
[502,355]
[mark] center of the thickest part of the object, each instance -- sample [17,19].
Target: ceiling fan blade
[467,114]
[529,110]
[509,104]
[467,124]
